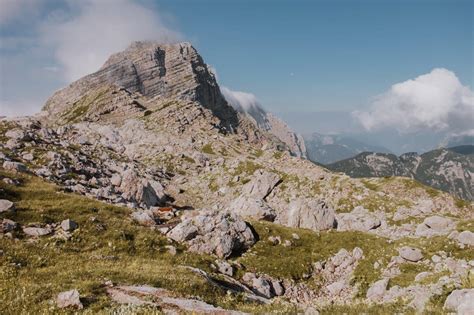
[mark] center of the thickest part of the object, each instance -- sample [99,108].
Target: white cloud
[84,41]
[435,101]
[241,101]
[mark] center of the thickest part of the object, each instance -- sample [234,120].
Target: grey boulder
[252,207]
[261,184]
[410,253]
[460,301]
[360,219]
[309,214]
[69,299]
[219,233]
[6,205]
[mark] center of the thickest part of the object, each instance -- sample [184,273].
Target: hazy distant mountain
[451,170]
[327,149]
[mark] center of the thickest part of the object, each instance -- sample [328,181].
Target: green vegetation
[277,155]
[466,225]
[247,167]
[208,149]
[407,275]
[107,246]
[295,261]
[376,309]
[84,104]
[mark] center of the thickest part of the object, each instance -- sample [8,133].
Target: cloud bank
[436,101]
[83,42]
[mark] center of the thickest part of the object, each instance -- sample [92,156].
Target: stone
[144,192]
[69,225]
[295,236]
[435,225]
[278,289]
[253,208]
[360,219]
[410,253]
[69,299]
[220,233]
[7,226]
[16,134]
[466,238]
[460,301]
[262,287]
[274,240]
[171,250]
[261,184]
[116,180]
[144,218]
[422,275]
[14,166]
[28,157]
[6,206]
[377,290]
[225,268]
[37,231]
[166,301]
[309,214]
[335,288]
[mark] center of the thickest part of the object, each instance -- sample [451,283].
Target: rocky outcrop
[222,234]
[69,299]
[308,214]
[460,301]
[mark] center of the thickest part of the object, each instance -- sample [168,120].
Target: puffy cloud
[82,41]
[435,101]
[241,101]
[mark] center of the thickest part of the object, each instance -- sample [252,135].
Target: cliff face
[153,71]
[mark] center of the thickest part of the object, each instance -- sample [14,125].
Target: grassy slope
[32,273]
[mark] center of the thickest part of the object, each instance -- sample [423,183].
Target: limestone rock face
[252,207]
[261,184]
[309,214]
[153,70]
[222,234]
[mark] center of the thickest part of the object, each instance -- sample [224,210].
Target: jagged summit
[152,70]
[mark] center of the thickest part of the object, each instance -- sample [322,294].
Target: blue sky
[296,57]
[340,52]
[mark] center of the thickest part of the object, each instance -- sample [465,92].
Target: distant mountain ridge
[450,170]
[326,149]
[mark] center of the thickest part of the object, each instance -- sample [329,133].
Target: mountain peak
[152,70]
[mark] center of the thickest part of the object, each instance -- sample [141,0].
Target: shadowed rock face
[153,70]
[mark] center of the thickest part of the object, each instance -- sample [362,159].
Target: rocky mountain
[139,189]
[268,122]
[450,170]
[327,149]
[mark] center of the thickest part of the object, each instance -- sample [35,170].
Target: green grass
[407,275]
[247,167]
[208,149]
[466,225]
[295,261]
[109,247]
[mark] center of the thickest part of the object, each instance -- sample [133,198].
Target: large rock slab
[219,233]
[164,299]
[435,225]
[360,219]
[410,253]
[252,207]
[460,301]
[309,214]
[466,238]
[14,166]
[261,184]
